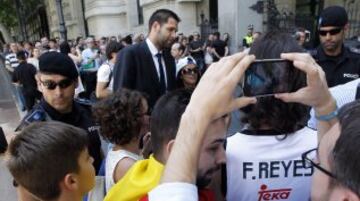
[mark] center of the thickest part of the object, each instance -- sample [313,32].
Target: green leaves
[8,12]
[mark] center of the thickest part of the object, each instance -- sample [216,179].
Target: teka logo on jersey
[275,194]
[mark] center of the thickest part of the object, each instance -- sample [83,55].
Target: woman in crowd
[185,43]
[226,38]
[34,57]
[104,83]
[209,50]
[187,73]
[75,55]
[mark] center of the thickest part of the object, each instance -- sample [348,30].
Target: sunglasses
[331,32]
[189,71]
[51,85]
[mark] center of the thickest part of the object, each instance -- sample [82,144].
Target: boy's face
[86,172]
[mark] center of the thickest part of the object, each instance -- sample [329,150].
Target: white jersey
[112,159]
[268,166]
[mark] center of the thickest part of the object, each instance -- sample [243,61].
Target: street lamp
[62,28]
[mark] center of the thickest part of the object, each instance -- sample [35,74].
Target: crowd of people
[95,60]
[151,120]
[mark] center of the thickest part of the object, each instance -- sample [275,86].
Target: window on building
[140,12]
[213,7]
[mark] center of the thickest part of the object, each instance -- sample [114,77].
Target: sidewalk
[9,119]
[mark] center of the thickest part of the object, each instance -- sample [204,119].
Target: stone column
[234,18]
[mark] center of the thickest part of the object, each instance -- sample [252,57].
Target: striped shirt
[11,60]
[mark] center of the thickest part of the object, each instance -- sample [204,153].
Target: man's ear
[147,146]
[169,147]
[346,27]
[38,83]
[70,182]
[77,82]
[156,25]
[349,195]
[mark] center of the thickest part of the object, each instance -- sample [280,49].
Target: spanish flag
[141,178]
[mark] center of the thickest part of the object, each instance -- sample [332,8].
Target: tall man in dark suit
[148,66]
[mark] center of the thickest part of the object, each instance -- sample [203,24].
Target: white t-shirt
[343,94]
[269,166]
[103,74]
[175,191]
[34,62]
[112,159]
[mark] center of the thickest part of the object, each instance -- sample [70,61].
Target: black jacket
[135,69]
[340,69]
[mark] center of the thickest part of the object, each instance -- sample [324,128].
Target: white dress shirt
[154,51]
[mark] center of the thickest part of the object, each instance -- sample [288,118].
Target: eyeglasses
[308,162]
[189,71]
[51,85]
[331,32]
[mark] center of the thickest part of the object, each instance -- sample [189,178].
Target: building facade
[73,15]
[122,17]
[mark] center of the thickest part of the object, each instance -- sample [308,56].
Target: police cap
[58,63]
[333,16]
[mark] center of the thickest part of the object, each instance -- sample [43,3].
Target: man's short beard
[202,182]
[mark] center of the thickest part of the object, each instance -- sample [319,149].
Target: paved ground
[9,118]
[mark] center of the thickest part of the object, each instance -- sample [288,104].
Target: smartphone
[266,77]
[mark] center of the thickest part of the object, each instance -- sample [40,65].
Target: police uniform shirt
[339,69]
[266,165]
[80,116]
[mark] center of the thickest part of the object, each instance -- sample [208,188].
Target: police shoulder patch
[36,115]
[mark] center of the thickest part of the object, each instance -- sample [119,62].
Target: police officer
[248,39]
[57,80]
[340,64]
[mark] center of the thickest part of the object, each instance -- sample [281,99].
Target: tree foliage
[8,11]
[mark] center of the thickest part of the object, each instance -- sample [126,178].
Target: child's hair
[120,116]
[43,153]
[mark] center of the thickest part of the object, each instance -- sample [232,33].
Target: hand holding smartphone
[267,77]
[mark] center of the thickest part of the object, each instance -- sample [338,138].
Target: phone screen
[267,77]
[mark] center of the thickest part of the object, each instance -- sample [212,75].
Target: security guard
[248,39]
[57,80]
[340,63]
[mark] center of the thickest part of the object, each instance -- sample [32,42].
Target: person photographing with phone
[265,156]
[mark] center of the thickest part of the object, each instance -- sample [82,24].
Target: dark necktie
[162,75]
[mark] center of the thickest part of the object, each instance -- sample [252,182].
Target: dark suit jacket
[135,69]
